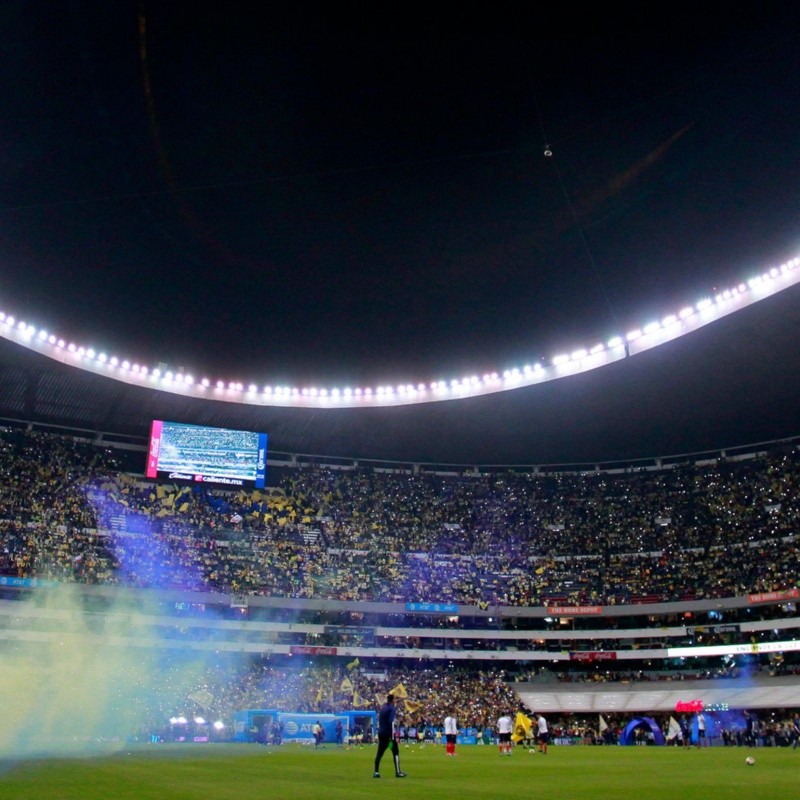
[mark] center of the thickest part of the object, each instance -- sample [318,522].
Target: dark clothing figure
[386,737]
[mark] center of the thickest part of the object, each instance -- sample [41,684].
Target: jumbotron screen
[216,456]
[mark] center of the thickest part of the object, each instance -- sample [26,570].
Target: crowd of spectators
[70,512]
[426,695]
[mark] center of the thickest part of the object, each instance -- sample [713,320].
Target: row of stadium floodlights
[618,347]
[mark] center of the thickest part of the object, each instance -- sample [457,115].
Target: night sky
[362,194]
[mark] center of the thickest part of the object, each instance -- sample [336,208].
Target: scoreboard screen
[217,456]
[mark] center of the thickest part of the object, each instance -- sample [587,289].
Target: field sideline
[295,772]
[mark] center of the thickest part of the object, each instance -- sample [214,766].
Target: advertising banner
[573,611]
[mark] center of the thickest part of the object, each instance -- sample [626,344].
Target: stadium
[198,569]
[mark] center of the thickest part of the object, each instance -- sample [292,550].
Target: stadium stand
[512,584]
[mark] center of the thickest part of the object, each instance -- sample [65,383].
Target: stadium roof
[731,383]
[303,199]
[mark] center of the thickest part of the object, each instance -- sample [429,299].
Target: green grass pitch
[295,772]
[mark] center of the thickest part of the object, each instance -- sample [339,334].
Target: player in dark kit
[386,737]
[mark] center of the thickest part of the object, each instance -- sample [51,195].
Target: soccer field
[294,772]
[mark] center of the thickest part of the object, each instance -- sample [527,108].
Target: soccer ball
[749,761]
[532,751]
